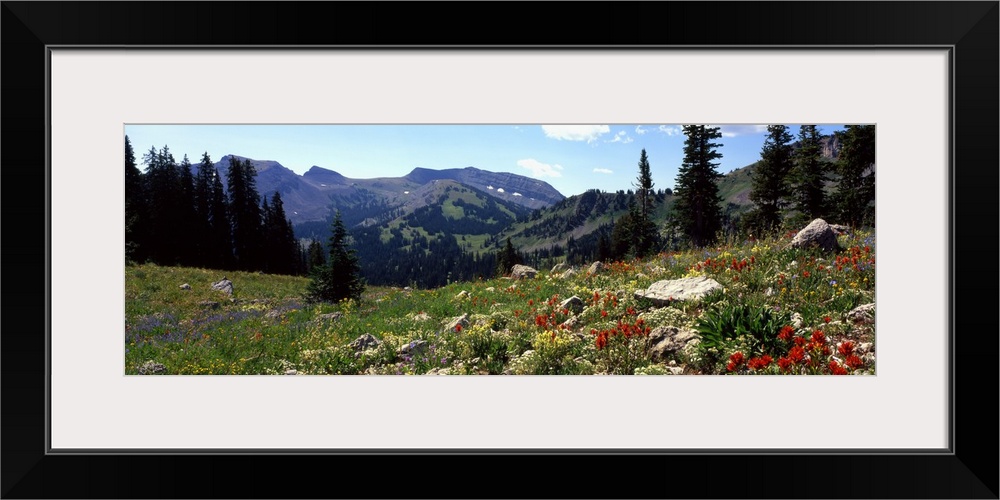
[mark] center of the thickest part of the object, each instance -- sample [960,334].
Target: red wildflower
[854,362]
[826,319]
[531,302]
[604,314]
[759,363]
[836,369]
[818,336]
[797,354]
[805,274]
[786,333]
[602,340]
[785,364]
[846,348]
[458,328]
[800,341]
[736,357]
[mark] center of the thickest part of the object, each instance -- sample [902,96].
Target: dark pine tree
[856,166]
[645,228]
[341,278]
[282,249]
[698,212]
[809,175]
[221,237]
[164,202]
[188,253]
[769,186]
[201,226]
[315,257]
[507,259]
[245,215]
[135,208]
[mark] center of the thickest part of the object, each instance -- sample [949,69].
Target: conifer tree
[164,199]
[341,278]
[188,253]
[856,166]
[245,214]
[698,213]
[809,174]
[508,258]
[221,255]
[769,187]
[135,208]
[645,228]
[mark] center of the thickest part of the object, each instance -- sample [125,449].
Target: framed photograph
[923,75]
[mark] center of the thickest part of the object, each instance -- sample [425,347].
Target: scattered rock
[570,323]
[438,371]
[490,289]
[840,230]
[208,304]
[274,314]
[769,292]
[329,317]
[863,314]
[663,292]
[461,295]
[185,286]
[596,268]
[291,372]
[152,368]
[413,348]
[817,233]
[675,370]
[864,347]
[520,271]
[366,341]
[568,274]
[421,317]
[559,268]
[667,340]
[462,320]
[573,303]
[407,289]
[223,285]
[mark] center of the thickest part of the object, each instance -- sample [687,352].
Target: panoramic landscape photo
[622,249]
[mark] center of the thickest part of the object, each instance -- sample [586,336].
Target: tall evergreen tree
[341,277]
[202,225]
[315,257]
[809,174]
[188,251]
[769,186]
[279,235]
[135,208]
[645,228]
[221,236]
[245,214]
[698,212]
[508,258]
[856,166]
[164,198]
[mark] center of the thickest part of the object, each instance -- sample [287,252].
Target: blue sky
[572,158]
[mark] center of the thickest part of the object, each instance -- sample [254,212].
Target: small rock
[865,347]
[520,271]
[596,268]
[329,317]
[573,303]
[406,289]
[863,314]
[185,286]
[223,285]
[769,292]
[675,370]
[208,304]
[291,372]
[461,295]
[462,320]
[366,341]
[559,268]
[421,317]
[839,229]
[667,340]
[490,289]
[151,367]
[570,323]
[816,234]
[568,274]
[663,292]
[273,314]
[413,348]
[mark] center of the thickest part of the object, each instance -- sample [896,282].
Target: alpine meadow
[623,249]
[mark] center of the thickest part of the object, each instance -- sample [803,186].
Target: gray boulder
[663,292]
[223,285]
[366,341]
[208,304]
[462,321]
[817,234]
[330,316]
[185,286]
[559,268]
[520,271]
[573,303]
[596,268]
[863,314]
[152,368]
[413,348]
[667,340]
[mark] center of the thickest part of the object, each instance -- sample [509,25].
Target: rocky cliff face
[830,147]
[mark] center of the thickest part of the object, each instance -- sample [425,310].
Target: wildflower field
[780,311]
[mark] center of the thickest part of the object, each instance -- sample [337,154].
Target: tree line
[176,215]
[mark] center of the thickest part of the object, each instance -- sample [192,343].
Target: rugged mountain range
[314,195]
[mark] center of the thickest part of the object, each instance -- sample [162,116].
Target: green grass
[268,328]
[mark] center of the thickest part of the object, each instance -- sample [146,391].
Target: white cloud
[499,190]
[588,133]
[539,169]
[639,130]
[670,130]
[621,137]
[518,194]
[603,171]
[490,188]
[735,130]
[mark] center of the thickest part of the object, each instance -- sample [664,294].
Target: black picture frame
[969,470]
